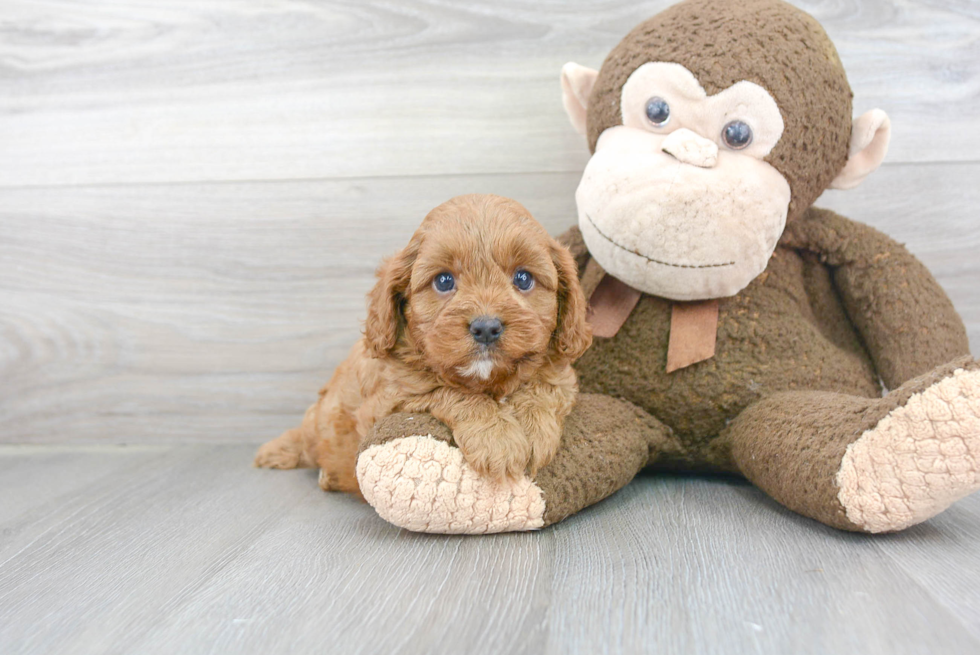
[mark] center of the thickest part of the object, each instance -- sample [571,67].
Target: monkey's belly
[767,342]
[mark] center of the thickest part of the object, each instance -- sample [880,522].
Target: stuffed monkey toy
[737,328]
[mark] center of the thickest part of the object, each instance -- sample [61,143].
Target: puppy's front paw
[544,441]
[498,450]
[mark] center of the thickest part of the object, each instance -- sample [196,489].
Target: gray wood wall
[194,193]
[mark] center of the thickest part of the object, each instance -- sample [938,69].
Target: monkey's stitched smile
[651,259]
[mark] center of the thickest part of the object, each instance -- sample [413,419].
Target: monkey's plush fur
[791,397]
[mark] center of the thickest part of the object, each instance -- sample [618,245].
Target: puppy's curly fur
[505,401]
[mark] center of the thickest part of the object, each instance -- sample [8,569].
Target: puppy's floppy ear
[385,301]
[573,333]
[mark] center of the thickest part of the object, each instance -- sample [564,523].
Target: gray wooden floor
[185,549]
[193,197]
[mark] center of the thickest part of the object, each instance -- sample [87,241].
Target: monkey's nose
[486,329]
[691,148]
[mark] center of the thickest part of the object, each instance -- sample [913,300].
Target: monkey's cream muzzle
[674,216]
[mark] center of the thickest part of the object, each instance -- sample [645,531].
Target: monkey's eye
[658,111]
[444,283]
[737,135]
[523,280]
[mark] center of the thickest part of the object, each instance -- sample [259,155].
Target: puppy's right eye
[523,280]
[444,283]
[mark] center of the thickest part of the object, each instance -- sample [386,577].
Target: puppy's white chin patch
[479,368]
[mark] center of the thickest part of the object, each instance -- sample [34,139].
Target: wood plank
[702,565]
[39,479]
[192,90]
[214,312]
[194,551]
[114,557]
[941,555]
[332,574]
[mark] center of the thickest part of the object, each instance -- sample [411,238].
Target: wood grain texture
[76,575]
[193,197]
[732,571]
[191,90]
[39,479]
[213,312]
[958,530]
[191,551]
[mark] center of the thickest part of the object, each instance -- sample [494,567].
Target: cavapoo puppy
[476,321]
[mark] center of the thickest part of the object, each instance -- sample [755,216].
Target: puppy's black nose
[486,329]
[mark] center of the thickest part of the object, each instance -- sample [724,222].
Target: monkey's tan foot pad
[918,460]
[422,484]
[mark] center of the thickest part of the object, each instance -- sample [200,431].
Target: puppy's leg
[494,446]
[487,433]
[336,452]
[284,452]
[330,433]
[541,408]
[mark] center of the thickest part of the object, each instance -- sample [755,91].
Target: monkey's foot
[422,484]
[918,460]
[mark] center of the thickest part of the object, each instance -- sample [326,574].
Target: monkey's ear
[385,317]
[869,143]
[576,86]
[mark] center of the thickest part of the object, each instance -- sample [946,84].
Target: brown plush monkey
[737,328]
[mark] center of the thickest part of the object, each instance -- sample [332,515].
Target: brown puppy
[476,321]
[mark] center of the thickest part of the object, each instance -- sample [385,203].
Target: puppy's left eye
[444,282]
[523,280]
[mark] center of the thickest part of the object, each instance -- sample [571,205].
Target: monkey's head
[712,125]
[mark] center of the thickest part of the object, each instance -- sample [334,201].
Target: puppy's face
[481,294]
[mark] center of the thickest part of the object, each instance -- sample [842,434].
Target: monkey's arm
[907,322]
